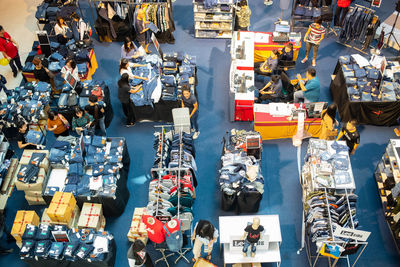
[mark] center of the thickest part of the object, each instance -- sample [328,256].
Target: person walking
[124,91]
[97,111]
[314,35]
[328,122]
[9,49]
[350,134]
[190,101]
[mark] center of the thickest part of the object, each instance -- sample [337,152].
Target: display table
[161,111]
[374,113]
[272,127]
[233,226]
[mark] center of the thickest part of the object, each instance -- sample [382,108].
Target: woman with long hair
[63,32]
[129,49]
[124,92]
[328,122]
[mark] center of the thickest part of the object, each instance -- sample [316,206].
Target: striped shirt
[315,34]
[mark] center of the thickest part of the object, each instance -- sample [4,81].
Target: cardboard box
[32,193]
[45,218]
[37,186]
[23,218]
[91,216]
[73,222]
[26,157]
[35,200]
[138,228]
[61,207]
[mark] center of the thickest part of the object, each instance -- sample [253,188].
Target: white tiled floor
[18,19]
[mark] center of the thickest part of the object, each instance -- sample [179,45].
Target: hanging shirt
[155,231]
[7,46]
[316,34]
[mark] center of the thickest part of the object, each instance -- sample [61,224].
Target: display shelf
[213,15]
[387,177]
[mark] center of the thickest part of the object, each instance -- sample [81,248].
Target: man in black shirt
[350,134]
[252,234]
[97,111]
[22,131]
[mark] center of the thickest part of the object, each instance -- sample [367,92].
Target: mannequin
[252,234]
[154,228]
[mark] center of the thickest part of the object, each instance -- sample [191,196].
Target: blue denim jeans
[193,121]
[246,246]
[102,126]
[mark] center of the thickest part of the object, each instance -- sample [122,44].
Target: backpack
[97,91]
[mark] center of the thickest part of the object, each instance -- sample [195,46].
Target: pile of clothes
[49,10]
[210,4]
[327,164]
[366,83]
[25,103]
[84,244]
[325,212]
[240,178]
[93,165]
[178,69]
[28,173]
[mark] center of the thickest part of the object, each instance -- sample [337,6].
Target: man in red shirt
[9,49]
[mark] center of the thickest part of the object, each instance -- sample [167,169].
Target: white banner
[351,233]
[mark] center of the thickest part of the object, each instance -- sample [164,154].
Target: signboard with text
[351,233]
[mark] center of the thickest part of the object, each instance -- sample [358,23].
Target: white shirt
[74,72]
[128,71]
[60,30]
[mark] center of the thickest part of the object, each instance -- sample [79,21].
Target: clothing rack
[351,43]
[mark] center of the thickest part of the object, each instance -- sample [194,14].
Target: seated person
[272,91]
[125,67]
[21,140]
[270,65]
[62,31]
[286,54]
[82,120]
[309,91]
[41,73]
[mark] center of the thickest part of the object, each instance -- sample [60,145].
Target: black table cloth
[374,113]
[161,111]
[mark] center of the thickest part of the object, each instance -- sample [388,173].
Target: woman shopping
[328,122]
[143,33]
[82,121]
[126,67]
[243,13]
[57,124]
[62,31]
[129,50]
[206,234]
[124,91]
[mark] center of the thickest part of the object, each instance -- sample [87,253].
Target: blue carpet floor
[282,193]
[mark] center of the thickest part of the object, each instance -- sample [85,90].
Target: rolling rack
[309,186]
[160,171]
[351,44]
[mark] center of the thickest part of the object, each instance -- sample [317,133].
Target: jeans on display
[298,96]
[246,246]
[102,126]
[340,14]
[15,63]
[314,47]
[193,121]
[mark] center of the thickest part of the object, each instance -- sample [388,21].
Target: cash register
[281,33]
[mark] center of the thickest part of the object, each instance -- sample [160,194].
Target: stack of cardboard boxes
[92,217]
[23,218]
[62,210]
[138,228]
[33,192]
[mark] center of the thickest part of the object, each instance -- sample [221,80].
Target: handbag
[326,12]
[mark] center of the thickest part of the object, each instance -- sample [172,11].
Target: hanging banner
[351,233]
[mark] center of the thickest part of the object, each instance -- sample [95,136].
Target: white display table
[230,226]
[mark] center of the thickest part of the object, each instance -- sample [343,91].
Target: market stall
[360,92]
[246,49]
[273,124]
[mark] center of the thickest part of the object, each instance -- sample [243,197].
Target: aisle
[279,166]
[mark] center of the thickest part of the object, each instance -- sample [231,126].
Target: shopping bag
[203,263]
[4,61]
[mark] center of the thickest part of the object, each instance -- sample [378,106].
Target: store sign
[351,233]
[237,243]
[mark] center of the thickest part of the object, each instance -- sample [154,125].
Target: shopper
[350,134]
[9,49]
[40,72]
[80,30]
[342,7]
[143,33]
[124,91]
[129,49]
[269,65]
[97,110]
[62,31]
[190,101]
[328,122]
[57,124]
[21,136]
[70,67]
[313,37]
[309,91]
[272,91]
[82,121]
[126,67]
[206,234]
[243,13]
